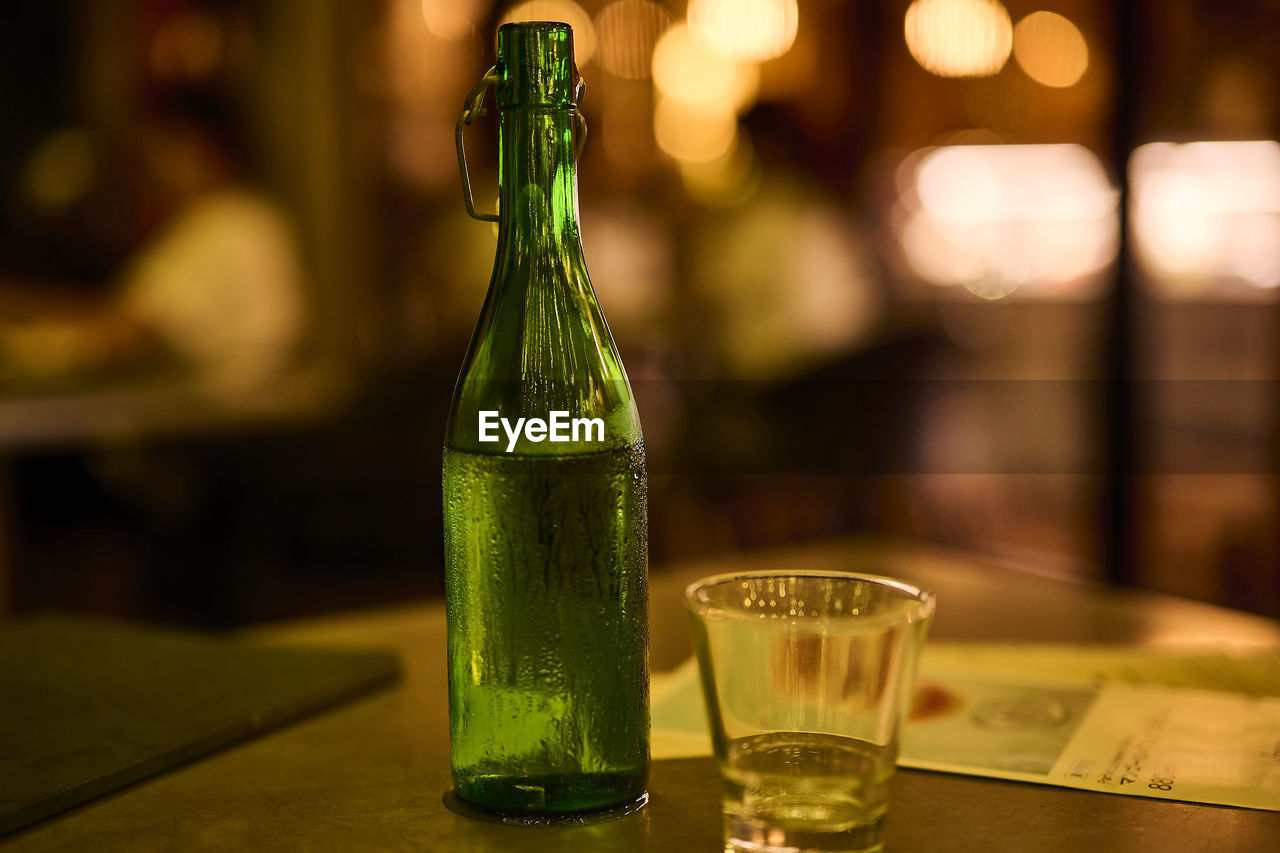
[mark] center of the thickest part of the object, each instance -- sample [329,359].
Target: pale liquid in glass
[797,790]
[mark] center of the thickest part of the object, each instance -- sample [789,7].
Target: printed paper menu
[1084,730]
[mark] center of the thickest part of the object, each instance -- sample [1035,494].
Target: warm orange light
[626,32]
[746,30]
[566,11]
[685,71]
[726,180]
[693,134]
[959,38]
[997,218]
[1206,214]
[188,45]
[632,268]
[452,20]
[1050,49]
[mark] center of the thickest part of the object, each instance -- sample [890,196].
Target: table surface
[371,775]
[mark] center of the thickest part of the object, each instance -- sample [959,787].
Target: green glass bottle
[545,491]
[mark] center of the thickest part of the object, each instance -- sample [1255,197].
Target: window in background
[1206,229]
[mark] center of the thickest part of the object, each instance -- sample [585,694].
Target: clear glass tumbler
[807,677]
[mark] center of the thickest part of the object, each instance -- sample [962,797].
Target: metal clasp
[579,140]
[471,109]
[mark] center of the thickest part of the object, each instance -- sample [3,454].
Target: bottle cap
[535,65]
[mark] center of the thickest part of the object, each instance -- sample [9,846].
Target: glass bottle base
[458,805]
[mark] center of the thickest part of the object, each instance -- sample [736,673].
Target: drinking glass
[807,677]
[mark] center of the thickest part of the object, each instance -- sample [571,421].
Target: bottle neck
[542,344]
[538,183]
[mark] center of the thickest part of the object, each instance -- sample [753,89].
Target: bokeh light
[632,264]
[1050,49]
[959,38]
[1207,214]
[687,72]
[566,11]
[999,218]
[187,46]
[452,20]
[746,30]
[61,169]
[694,134]
[626,32]
[789,283]
[726,180]
[421,75]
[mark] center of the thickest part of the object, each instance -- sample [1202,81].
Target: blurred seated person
[212,288]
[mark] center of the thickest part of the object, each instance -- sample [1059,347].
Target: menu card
[1195,727]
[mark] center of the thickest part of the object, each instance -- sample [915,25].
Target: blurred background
[999,276]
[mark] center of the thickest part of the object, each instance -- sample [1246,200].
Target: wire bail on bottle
[473,108]
[580,124]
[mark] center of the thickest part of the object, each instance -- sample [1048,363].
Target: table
[370,776]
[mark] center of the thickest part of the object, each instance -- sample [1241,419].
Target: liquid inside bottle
[547,564]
